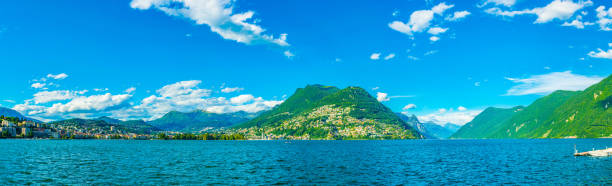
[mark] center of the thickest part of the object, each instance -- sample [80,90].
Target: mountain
[428,130]
[452,127]
[133,126]
[561,114]
[199,120]
[7,112]
[326,112]
[487,122]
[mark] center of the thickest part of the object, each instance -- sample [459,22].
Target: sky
[444,61]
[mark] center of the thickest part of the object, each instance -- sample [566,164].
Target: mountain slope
[133,126]
[428,130]
[199,120]
[486,123]
[533,116]
[324,112]
[303,99]
[7,112]
[586,115]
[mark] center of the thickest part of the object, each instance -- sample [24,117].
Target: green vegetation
[205,136]
[199,120]
[562,114]
[487,122]
[325,112]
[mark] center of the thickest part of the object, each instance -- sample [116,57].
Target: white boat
[599,153]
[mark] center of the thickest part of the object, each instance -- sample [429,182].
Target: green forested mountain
[7,112]
[199,120]
[487,122]
[325,112]
[101,124]
[581,114]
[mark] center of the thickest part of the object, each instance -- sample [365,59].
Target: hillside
[199,120]
[486,123]
[586,115]
[100,124]
[429,130]
[325,112]
[7,112]
[561,114]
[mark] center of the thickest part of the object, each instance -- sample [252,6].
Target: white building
[6,123]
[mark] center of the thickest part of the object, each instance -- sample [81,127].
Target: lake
[414,162]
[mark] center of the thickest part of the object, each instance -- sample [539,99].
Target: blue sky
[444,61]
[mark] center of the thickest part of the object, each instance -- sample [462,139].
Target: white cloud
[57,76]
[461,108]
[38,85]
[413,58]
[375,88]
[434,38]
[601,53]
[604,18]
[57,95]
[231,89]
[440,8]
[390,56]
[241,99]
[288,54]
[90,103]
[436,30]
[218,15]
[455,117]
[458,15]
[578,23]
[431,52]
[507,3]
[100,89]
[382,97]
[375,56]
[477,84]
[409,106]
[557,9]
[130,90]
[547,83]
[442,110]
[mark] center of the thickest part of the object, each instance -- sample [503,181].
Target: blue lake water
[420,162]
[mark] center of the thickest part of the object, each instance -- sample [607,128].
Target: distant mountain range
[429,130]
[132,126]
[562,114]
[200,120]
[326,112]
[7,112]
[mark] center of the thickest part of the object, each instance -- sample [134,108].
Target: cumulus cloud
[38,85]
[557,9]
[409,106]
[454,117]
[382,97]
[547,83]
[50,96]
[508,3]
[602,53]
[421,20]
[390,56]
[130,90]
[219,15]
[604,18]
[375,56]
[90,103]
[241,99]
[457,16]
[578,23]
[288,54]
[57,76]
[461,108]
[434,38]
[231,89]
[436,30]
